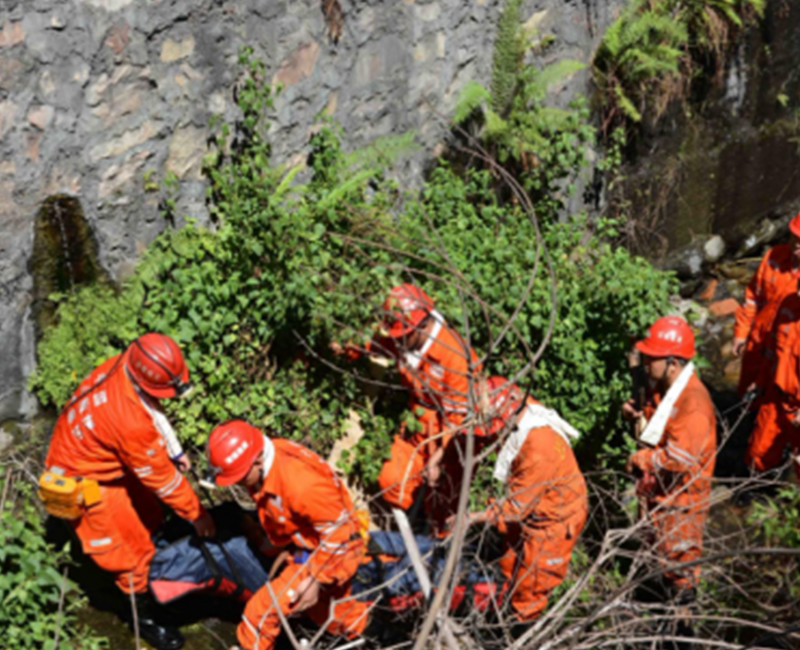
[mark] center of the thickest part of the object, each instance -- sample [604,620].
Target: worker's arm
[753,302]
[320,503]
[143,452]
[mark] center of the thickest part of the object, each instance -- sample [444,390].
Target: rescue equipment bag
[66,497]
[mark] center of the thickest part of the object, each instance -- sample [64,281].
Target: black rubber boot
[152,627]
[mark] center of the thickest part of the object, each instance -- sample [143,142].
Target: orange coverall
[780,380]
[303,504]
[677,483]
[541,519]
[437,378]
[775,279]
[107,434]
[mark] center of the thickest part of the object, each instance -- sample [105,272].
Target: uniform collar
[269,485]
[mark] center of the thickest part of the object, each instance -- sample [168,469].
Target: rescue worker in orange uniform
[113,431]
[775,279]
[778,421]
[303,507]
[435,365]
[674,476]
[546,504]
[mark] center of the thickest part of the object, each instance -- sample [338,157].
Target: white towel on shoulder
[533,417]
[655,427]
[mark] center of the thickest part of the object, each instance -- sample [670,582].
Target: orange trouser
[401,474]
[679,538]
[773,432]
[261,623]
[542,566]
[117,532]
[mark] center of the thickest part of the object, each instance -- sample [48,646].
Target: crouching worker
[303,508]
[545,507]
[112,456]
[674,475]
[435,365]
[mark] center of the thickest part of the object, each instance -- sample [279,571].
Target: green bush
[30,587]
[293,266]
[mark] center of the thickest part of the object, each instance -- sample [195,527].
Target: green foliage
[778,519]
[91,322]
[650,55]
[507,58]
[30,587]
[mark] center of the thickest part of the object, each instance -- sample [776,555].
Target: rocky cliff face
[96,94]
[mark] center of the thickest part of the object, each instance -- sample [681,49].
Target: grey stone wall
[94,94]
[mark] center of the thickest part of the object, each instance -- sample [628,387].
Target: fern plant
[652,53]
[509,48]
[541,144]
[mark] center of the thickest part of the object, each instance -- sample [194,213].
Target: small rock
[8,113]
[723,308]
[734,271]
[11,34]
[298,65]
[687,262]
[765,232]
[118,38]
[123,143]
[41,116]
[714,249]
[709,291]
[186,150]
[173,51]
[690,287]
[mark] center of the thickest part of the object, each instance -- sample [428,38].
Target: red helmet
[499,400]
[232,449]
[669,336]
[404,309]
[156,364]
[794,225]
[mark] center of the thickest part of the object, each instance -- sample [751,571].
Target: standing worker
[546,505]
[435,365]
[775,279]
[109,464]
[303,507]
[778,421]
[674,476]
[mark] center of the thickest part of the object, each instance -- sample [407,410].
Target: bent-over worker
[303,507]
[113,432]
[435,364]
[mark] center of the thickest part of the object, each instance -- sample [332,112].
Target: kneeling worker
[112,456]
[546,505]
[674,476]
[302,506]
